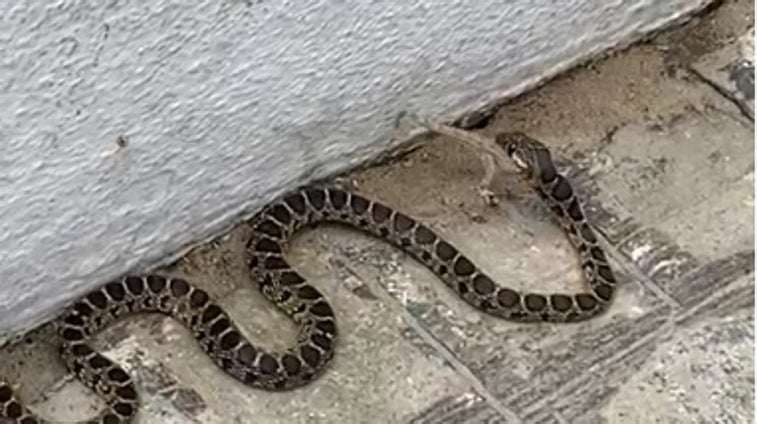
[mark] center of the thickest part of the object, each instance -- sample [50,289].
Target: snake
[272,227]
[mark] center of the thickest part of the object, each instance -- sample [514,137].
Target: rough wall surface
[130,129]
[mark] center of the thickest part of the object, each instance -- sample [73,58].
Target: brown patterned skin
[286,289]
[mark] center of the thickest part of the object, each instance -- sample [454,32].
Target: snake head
[530,155]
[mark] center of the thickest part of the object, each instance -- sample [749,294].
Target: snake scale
[221,339]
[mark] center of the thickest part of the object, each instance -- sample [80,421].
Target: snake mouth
[520,162]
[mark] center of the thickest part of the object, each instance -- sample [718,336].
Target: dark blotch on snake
[126,392]
[535,302]
[588,233]
[310,355]
[118,375]
[483,285]
[148,303]
[281,214]
[603,291]
[269,227]
[379,212]
[266,281]
[135,285]
[80,350]
[115,290]
[156,283]
[291,363]
[163,302]
[198,298]
[546,167]
[321,341]
[445,251]
[586,302]
[508,298]
[72,335]
[75,320]
[83,309]
[124,409]
[267,245]
[230,339]
[598,254]
[574,210]
[268,364]
[296,203]
[97,299]
[326,326]
[13,409]
[246,354]
[606,273]
[316,197]
[463,267]
[338,198]
[321,309]
[359,204]
[210,312]
[111,419]
[6,393]
[250,377]
[219,327]
[562,190]
[291,278]
[308,292]
[274,262]
[423,235]
[557,210]
[442,270]
[98,361]
[560,302]
[402,222]
[179,287]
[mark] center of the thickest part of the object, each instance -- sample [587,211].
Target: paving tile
[673,200]
[704,373]
[730,70]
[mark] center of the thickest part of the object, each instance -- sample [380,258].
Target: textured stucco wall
[225,103]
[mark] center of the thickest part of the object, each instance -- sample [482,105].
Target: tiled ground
[658,140]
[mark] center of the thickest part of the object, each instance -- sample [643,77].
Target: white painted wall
[225,103]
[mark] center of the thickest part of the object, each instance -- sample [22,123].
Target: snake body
[272,227]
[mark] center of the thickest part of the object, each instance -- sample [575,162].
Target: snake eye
[510,149]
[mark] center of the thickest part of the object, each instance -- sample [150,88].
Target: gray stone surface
[666,166]
[730,70]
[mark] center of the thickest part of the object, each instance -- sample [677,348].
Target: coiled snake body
[220,338]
